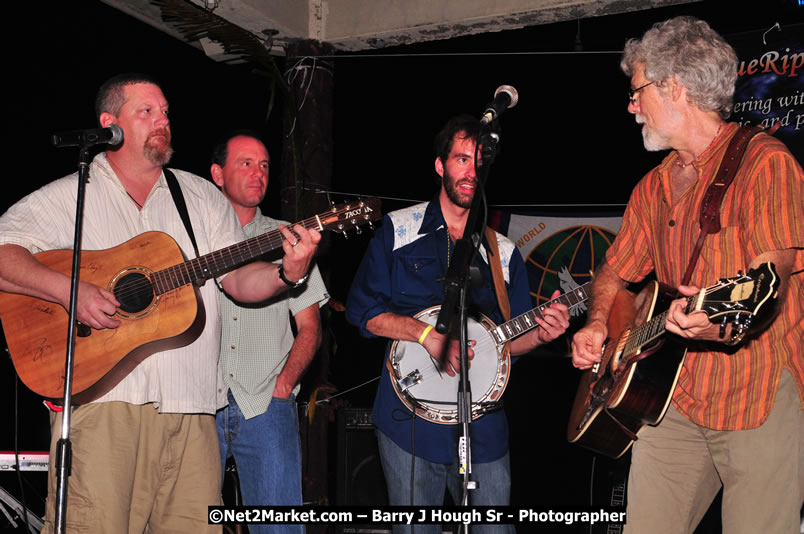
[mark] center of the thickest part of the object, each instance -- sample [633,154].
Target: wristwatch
[290,284]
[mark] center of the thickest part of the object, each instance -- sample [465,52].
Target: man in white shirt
[145,454]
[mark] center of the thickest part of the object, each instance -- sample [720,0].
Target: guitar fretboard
[650,331]
[527,321]
[220,261]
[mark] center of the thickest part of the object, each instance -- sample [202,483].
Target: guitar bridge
[596,366]
[412,378]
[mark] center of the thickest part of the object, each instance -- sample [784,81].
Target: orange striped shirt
[762,211]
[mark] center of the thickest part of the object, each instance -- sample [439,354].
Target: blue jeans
[267,451]
[431,480]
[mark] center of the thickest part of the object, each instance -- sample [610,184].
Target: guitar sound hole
[134,292]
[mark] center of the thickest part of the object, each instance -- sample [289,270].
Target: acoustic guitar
[633,383]
[158,308]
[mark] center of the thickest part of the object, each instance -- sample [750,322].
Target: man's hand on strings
[95,307]
[438,345]
[696,325]
[554,323]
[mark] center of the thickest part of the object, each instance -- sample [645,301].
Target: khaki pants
[137,471]
[677,468]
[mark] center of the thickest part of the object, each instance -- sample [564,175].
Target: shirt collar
[707,158]
[433,217]
[261,224]
[101,163]
[434,220]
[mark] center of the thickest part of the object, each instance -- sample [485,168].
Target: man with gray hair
[736,418]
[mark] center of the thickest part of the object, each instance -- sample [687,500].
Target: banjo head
[428,391]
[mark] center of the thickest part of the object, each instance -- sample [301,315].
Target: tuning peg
[371,225]
[359,230]
[345,234]
[741,322]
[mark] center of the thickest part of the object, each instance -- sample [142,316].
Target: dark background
[568,141]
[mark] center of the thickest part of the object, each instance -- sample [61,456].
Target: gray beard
[652,142]
[158,157]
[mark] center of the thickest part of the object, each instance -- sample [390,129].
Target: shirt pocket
[414,281]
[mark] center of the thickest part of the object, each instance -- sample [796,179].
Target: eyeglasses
[632,92]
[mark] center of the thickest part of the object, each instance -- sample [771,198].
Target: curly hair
[689,49]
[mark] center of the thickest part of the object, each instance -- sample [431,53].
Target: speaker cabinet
[360,477]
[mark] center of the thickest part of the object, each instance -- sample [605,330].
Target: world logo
[566,260]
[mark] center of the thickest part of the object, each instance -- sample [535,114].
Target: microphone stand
[457,280]
[64,446]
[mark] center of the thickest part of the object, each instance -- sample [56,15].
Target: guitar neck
[650,331]
[525,322]
[218,262]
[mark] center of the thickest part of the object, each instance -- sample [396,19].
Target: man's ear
[217,174]
[439,167]
[675,88]
[107,119]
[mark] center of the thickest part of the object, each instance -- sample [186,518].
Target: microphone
[504,97]
[113,135]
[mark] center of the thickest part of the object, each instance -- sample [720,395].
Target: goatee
[455,196]
[651,140]
[158,153]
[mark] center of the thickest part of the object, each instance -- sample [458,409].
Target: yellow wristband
[424,334]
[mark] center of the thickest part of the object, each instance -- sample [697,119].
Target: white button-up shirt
[182,380]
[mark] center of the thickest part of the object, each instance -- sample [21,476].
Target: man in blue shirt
[402,274]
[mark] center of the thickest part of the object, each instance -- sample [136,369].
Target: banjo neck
[525,322]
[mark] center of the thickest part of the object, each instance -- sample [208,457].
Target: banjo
[430,393]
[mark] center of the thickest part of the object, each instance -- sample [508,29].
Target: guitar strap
[713,198]
[497,273]
[181,206]
[498,277]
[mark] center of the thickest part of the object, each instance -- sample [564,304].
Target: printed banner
[560,250]
[770,88]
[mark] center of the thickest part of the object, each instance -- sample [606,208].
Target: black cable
[412,461]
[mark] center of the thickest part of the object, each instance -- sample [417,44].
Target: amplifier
[360,478]
[355,419]
[29,461]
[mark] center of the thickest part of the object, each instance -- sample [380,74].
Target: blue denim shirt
[401,273]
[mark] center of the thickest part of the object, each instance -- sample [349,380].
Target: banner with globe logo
[560,250]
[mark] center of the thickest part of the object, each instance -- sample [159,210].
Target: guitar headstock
[744,294]
[343,217]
